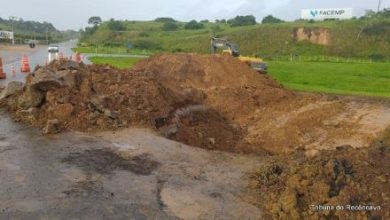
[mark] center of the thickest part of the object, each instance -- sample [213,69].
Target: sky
[74,14]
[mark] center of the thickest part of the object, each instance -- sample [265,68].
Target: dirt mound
[341,184]
[91,98]
[209,101]
[203,72]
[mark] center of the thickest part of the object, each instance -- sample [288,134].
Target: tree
[170,26]
[271,20]
[215,29]
[115,25]
[193,25]
[95,20]
[164,19]
[242,21]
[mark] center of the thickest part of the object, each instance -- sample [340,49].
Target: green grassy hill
[266,40]
[25,30]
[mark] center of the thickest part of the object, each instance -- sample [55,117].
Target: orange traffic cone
[25,65]
[78,57]
[13,71]
[2,74]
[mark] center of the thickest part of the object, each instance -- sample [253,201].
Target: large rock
[11,89]
[70,65]
[68,77]
[45,80]
[52,127]
[30,98]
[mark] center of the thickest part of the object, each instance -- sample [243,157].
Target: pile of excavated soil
[210,101]
[66,95]
[345,183]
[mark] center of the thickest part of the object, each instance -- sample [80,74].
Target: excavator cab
[226,46]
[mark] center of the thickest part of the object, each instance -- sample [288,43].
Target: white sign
[6,35]
[327,13]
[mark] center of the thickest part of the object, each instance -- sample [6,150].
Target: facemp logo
[314,13]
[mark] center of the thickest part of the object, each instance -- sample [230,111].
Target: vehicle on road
[53,49]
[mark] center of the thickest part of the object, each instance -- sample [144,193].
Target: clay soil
[318,149]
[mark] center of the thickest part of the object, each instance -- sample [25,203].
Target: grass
[119,62]
[264,40]
[371,79]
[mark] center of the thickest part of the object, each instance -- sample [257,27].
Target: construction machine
[229,47]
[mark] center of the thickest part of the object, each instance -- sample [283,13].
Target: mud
[105,161]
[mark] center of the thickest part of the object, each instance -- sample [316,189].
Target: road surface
[12,58]
[131,174]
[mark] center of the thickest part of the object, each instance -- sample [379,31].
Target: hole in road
[104,161]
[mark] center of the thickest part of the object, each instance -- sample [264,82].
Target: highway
[38,56]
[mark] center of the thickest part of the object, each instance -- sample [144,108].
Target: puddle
[105,161]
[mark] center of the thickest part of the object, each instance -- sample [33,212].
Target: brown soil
[214,102]
[292,187]
[219,103]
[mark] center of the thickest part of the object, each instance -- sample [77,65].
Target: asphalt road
[38,56]
[130,174]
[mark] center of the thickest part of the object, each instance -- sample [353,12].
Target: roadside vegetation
[119,62]
[40,31]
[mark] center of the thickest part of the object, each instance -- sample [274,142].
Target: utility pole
[47,36]
[379,5]
[13,18]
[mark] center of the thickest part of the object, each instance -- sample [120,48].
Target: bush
[378,29]
[271,20]
[193,25]
[144,34]
[377,57]
[242,21]
[165,20]
[114,25]
[223,21]
[146,44]
[170,26]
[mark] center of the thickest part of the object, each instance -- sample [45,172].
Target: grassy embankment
[371,79]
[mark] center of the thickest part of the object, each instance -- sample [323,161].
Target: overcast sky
[73,14]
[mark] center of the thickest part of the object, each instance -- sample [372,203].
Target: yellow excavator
[229,47]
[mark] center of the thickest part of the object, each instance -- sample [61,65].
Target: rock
[70,65]
[211,141]
[11,89]
[52,127]
[99,103]
[85,86]
[30,98]
[45,80]
[68,77]
[29,112]
[62,112]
